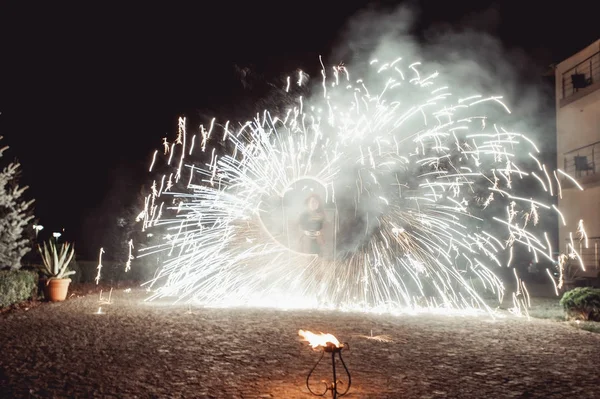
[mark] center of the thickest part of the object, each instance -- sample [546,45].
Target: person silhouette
[311,223]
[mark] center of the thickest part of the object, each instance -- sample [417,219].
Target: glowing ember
[319,340]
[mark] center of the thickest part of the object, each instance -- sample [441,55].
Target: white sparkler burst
[421,192]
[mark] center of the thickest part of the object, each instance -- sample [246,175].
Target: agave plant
[56,259]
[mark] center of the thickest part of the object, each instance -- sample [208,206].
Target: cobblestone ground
[154,350]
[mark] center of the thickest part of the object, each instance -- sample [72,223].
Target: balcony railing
[581,75]
[590,257]
[583,161]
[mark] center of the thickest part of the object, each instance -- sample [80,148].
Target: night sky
[88,90]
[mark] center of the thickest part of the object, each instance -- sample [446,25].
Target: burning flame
[317,340]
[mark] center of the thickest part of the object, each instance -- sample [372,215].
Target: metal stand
[333,387]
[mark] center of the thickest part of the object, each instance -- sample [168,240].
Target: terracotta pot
[56,289]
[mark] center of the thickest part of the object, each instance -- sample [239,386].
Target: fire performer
[311,222]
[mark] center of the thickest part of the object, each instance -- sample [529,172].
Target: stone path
[155,350]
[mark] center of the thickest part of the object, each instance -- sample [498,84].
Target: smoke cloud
[468,56]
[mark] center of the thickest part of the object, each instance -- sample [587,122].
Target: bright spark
[429,181]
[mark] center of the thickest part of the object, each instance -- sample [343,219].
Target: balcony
[580,80]
[590,258]
[583,164]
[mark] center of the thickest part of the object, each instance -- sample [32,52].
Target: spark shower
[383,194]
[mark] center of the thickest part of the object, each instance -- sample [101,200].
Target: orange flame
[317,340]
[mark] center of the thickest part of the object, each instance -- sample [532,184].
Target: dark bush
[582,303]
[17,286]
[113,272]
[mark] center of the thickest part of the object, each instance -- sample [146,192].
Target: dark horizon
[87,94]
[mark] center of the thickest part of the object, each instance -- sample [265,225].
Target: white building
[578,147]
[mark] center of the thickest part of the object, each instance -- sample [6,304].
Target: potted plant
[56,259]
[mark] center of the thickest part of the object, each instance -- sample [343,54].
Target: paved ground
[140,350]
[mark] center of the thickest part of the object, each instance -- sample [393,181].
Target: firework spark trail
[426,170]
[99,267]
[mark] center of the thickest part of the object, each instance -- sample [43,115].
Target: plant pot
[56,289]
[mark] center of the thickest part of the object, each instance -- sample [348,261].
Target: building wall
[579,205]
[578,125]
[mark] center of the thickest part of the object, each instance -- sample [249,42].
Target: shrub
[15,215]
[582,303]
[141,270]
[17,286]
